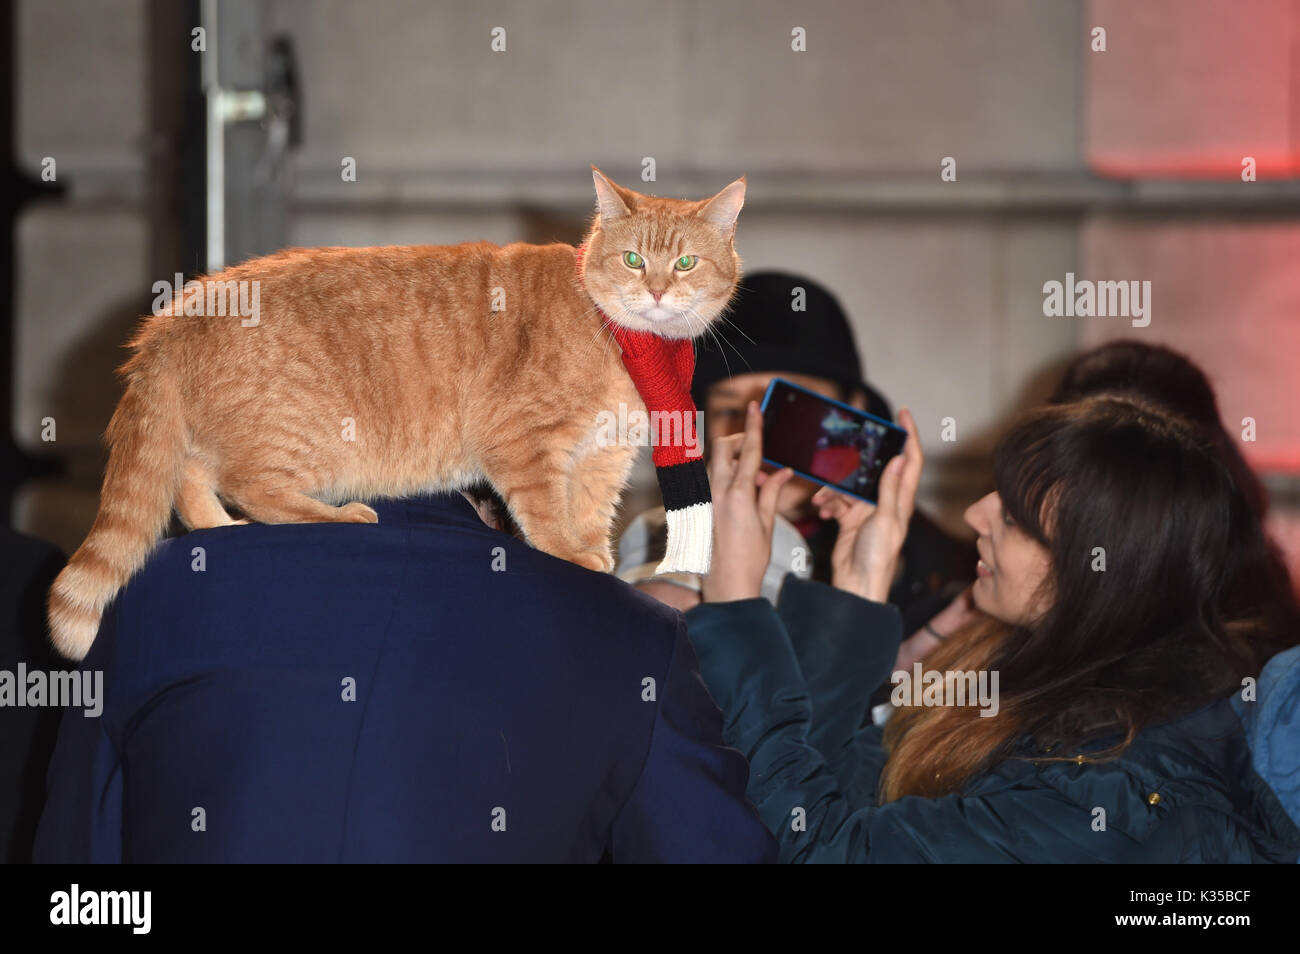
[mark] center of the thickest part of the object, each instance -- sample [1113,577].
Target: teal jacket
[794,681]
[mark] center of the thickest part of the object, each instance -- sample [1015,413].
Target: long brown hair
[1168,626]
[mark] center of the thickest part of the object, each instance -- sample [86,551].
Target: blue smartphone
[827,441]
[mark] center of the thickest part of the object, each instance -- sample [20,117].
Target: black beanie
[763,332]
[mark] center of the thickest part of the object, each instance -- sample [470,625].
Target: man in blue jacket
[422,689]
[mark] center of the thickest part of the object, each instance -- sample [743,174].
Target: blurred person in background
[1171,381]
[1163,377]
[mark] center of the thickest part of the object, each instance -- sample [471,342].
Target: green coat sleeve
[845,647]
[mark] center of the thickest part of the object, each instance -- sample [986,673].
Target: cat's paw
[358,513]
[601,562]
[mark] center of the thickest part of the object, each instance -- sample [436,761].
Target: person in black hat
[789,326]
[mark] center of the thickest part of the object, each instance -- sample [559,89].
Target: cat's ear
[609,198]
[724,207]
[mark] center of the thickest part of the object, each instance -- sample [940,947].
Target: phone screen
[826,440]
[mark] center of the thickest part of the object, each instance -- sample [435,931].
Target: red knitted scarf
[661,369]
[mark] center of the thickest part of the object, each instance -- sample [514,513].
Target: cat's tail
[146,440]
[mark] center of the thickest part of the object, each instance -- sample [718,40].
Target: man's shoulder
[494,573]
[591,594]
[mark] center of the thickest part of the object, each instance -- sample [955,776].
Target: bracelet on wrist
[933,632]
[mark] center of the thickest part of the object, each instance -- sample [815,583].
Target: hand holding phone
[743,515]
[864,559]
[827,441]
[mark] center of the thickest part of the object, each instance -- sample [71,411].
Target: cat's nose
[657,294]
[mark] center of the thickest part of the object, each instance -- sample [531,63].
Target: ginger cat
[382,372]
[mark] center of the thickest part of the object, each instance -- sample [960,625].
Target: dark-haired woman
[1107,556]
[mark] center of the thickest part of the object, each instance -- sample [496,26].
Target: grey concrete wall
[842,145]
[883,87]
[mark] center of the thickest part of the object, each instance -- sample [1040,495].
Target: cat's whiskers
[619,313]
[711,329]
[600,327]
[724,319]
[595,311]
[716,330]
[722,316]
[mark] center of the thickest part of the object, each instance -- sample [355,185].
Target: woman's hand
[948,620]
[743,515]
[865,557]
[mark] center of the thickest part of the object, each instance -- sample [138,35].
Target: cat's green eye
[686,263]
[633,260]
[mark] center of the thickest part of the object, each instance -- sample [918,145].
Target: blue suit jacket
[358,692]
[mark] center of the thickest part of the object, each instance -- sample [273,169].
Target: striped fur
[452,363]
